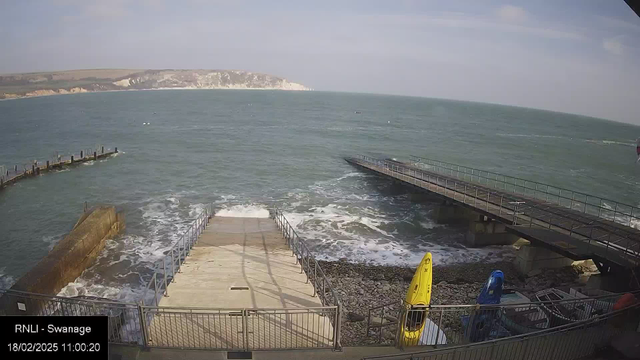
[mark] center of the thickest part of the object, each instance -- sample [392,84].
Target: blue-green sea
[245,151]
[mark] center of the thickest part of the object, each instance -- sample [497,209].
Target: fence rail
[570,341]
[166,269]
[524,211]
[246,329]
[124,318]
[241,329]
[624,214]
[460,324]
[308,264]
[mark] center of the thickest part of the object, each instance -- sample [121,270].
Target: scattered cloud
[512,13]
[475,22]
[618,23]
[613,45]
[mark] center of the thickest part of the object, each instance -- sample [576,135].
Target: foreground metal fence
[597,232]
[437,325]
[125,325]
[169,266]
[308,264]
[566,342]
[242,329]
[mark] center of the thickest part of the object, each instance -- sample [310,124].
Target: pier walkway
[576,225]
[243,284]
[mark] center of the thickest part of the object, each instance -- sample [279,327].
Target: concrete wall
[488,232]
[447,213]
[70,257]
[531,257]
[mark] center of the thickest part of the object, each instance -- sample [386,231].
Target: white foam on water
[52,240]
[6,281]
[89,163]
[533,136]
[612,142]
[82,287]
[251,210]
[164,221]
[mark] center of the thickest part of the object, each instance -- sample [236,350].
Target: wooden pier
[11,176]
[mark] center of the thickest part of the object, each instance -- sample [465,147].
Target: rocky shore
[362,286]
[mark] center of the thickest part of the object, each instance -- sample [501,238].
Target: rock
[442,283]
[378,276]
[472,295]
[535,272]
[353,317]
[407,278]
[386,287]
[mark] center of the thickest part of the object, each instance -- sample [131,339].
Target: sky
[578,56]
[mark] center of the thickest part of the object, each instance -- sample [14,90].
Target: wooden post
[33,169]
[71,159]
[103,149]
[16,169]
[116,149]
[95,155]
[81,154]
[47,165]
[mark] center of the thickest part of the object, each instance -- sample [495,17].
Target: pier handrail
[166,268]
[462,190]
[309,264]
[572,197]
[583,206]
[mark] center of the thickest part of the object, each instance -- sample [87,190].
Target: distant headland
[77,81]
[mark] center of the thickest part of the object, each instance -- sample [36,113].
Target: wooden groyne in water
[11,176]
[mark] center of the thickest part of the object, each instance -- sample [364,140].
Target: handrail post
[315,276]
[164,271]
[337,328]
[155,288]
[173,267]
[143,325]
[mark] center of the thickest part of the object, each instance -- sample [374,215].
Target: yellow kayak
[418,297]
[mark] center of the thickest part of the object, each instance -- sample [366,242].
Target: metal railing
[166,269]
[621,213]
[124,318]
[308,264]
[242,329]
[150,325]
[519,210]
[570,341]
[462,324]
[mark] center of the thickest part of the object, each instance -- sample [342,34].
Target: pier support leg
[531,258]
[485,232]
[448,213]
[71,159]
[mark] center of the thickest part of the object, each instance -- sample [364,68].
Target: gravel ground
[362,286]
